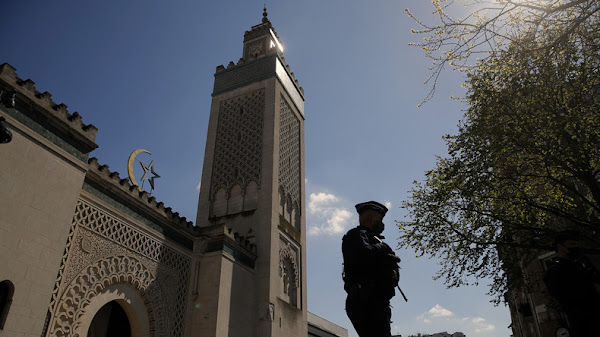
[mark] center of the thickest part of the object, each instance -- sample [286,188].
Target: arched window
[288,271]
[290,282]
[6,293]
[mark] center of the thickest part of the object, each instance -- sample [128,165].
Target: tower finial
[265,19]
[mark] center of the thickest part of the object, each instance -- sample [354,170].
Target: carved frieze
[103,250]
[238,149]
[244,73]
[289,270]
[289,155]
[255,49]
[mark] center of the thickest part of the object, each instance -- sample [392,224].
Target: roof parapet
[124,186]
[58,112]
[242,62]
[217,231]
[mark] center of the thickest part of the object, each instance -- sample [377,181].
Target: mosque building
[86,252]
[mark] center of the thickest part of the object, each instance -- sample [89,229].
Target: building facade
[534,312]
[320,327]
[84,252]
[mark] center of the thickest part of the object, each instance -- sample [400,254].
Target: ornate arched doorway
[110,321]
[116,311]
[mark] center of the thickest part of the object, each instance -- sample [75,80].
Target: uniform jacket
[369,262]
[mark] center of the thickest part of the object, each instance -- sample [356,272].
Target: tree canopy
[524,163]
[469,30]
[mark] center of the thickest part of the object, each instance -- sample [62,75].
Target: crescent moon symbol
[130,166]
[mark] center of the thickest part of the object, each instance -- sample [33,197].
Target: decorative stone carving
[289,159]
[289,271]
[238,150]
[225,80]
[267,311]
[287,254]
[255,48]
[103,250]
[93,279]
[86,245]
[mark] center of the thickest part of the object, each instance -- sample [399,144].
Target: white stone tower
[251,261]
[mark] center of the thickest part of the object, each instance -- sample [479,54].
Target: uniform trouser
[371,317]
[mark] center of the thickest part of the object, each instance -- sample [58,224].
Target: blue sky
[142,72]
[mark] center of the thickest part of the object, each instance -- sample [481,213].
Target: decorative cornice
[259,30]
[289,70]
[221,230]
[40,104]
[287,227]
[220,237]
[141,202]
[221,70]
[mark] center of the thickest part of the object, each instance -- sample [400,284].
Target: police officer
[370,273]
[575,284]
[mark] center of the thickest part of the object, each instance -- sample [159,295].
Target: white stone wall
[39,186]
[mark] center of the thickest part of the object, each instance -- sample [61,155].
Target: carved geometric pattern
[102,250]
[288,270]
[288,254]
[289,153]
[255,49]
[95,278]
[116,230]
[59,277]
[245,73]
[238,146]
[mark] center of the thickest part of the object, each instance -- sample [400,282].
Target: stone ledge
[141,201]
[222,238]
[220,231]
[242,62]
[56,114]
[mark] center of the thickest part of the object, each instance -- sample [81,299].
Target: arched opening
[6,293]
[110,321]
[289,282]
[219,203]
[130,300]
[281,201]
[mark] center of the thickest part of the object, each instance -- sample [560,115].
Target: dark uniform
[572,284]
[370,276]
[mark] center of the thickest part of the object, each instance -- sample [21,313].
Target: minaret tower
[253,190]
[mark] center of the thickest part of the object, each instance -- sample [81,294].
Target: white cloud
[474,324]
[439,311]
[423,318]
[331,219]
[318,202]
[336,223]
[481,325]
[388,204]
[198,187]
